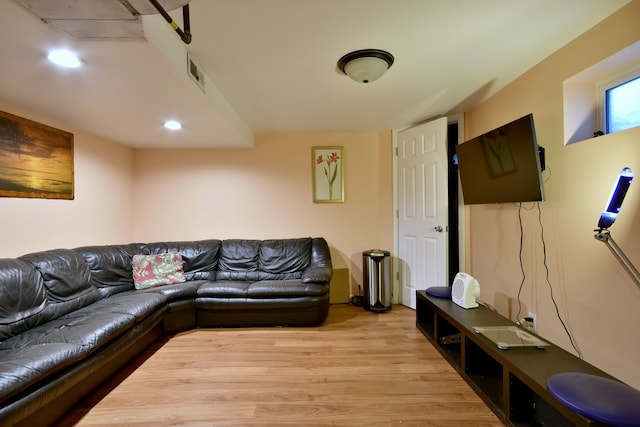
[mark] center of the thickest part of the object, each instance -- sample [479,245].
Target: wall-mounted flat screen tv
[503,165]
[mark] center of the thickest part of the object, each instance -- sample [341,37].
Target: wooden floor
[358,368]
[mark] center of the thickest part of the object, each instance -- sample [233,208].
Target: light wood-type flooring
[358,368]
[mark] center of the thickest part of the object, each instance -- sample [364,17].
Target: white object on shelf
[465,290]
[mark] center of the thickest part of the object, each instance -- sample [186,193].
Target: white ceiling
[270,66]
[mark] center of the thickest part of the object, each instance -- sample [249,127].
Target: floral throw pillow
[157,270]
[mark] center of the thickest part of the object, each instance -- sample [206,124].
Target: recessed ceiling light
[173,125]
[64,58]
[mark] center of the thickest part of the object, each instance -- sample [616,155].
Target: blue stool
[597,398]
[439,291]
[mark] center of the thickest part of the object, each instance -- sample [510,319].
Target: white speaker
[465,290]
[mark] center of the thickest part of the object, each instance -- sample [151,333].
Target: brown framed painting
[36,160]
[328,174]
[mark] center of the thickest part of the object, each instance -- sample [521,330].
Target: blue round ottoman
[439,291]
[597,398]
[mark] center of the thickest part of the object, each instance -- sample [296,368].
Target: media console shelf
[512,382]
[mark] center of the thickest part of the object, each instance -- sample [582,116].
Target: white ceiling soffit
[228,124]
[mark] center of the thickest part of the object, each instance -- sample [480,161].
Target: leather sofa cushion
[22,297]
[239,255]
[24,367]
[176,292]
[67,279]
[138,304]
[256,306]
[65,273]
[262,289]
[285,256]
[285,288]
[85,327]
[254,260]
[239,260]
[224,289]
[111,266]
[200,257]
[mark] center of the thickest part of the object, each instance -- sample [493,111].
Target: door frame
[397,289]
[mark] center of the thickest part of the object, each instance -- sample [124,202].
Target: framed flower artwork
[328,174]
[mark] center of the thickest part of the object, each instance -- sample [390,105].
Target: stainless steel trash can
[377,280]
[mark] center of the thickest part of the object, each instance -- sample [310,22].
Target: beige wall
[101,212]
[597,301]
[124,195]
[266,192]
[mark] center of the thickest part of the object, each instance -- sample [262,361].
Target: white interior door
[422,208]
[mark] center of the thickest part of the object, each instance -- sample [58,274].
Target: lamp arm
[605,237]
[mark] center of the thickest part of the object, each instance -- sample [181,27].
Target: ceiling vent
[194,72]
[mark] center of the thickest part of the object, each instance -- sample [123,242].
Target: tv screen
[502,166]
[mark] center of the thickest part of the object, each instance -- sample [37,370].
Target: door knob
[438,228]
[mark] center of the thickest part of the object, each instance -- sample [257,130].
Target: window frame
[602,88]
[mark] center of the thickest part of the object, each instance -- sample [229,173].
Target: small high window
[619,104]
[604,97]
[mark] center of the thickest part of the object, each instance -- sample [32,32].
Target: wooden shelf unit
[512,382]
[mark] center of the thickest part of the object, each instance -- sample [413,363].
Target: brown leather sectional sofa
[69,318]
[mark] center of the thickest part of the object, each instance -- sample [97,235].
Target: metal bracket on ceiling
[184,35]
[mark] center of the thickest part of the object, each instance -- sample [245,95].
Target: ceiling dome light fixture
[173,125]
[366,65]
[64,58]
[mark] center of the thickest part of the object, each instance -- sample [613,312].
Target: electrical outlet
[534,322]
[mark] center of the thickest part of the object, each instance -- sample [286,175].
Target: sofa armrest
[320,269]
[320,274]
